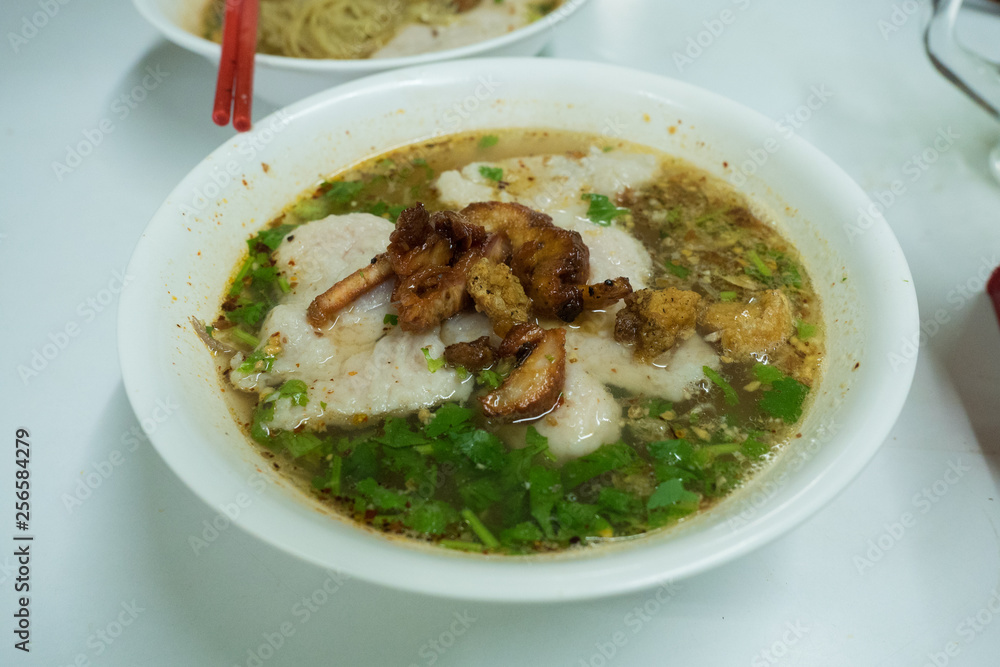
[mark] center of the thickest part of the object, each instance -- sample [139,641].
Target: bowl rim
[209,49]
[588,577]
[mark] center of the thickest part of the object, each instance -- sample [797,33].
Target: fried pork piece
[535,386]
[754,328]
[552,263]
[472,356]
[654,319]
[498,294]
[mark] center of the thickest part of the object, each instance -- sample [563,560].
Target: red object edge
[227,64]
[244,66]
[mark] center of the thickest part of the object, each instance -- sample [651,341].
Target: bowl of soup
[305,46]
[523,344]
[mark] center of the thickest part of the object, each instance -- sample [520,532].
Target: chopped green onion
[489,140]
[727,390]
[244,337]
[481,531]
[432,364]
[459,545]
[759,263]
[283,285]
[727,296]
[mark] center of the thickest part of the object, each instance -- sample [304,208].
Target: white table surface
[825,594]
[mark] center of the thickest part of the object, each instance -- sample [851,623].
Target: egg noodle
[342,29]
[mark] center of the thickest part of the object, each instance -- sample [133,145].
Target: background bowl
[193,242]
[283,80]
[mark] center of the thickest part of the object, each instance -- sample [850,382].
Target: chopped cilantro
[766,374]
[678,270]
[545,489]
[399,434]
[488,377]
[601,211]
[431,518]
[432,364]
[390,319]
[604,459]
[784,400]
[381,497]
[481,447]
[250,314]
[295,390]
[491,173]
[449,418]
[271,238]
[658,406]
[805,330]
[581,520]
[489,140]
[298,444]
[669,493]
[343,192]
[753,448]
[523,532]
[728,393]
[257,362]
[330,480]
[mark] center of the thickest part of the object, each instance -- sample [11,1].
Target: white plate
[283,80]
[190,247]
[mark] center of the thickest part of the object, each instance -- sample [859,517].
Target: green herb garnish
[601,211]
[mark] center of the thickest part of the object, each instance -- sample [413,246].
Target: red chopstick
[239,44]
[244,66]
[993,289]
[227,65]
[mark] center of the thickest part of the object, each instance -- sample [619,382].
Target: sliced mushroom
[535,386]
[327,304]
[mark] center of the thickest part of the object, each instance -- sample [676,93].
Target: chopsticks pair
[239,43]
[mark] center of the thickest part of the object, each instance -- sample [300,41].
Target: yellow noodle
[343,29]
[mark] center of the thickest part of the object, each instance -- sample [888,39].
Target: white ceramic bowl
[196,238]
[283,80]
